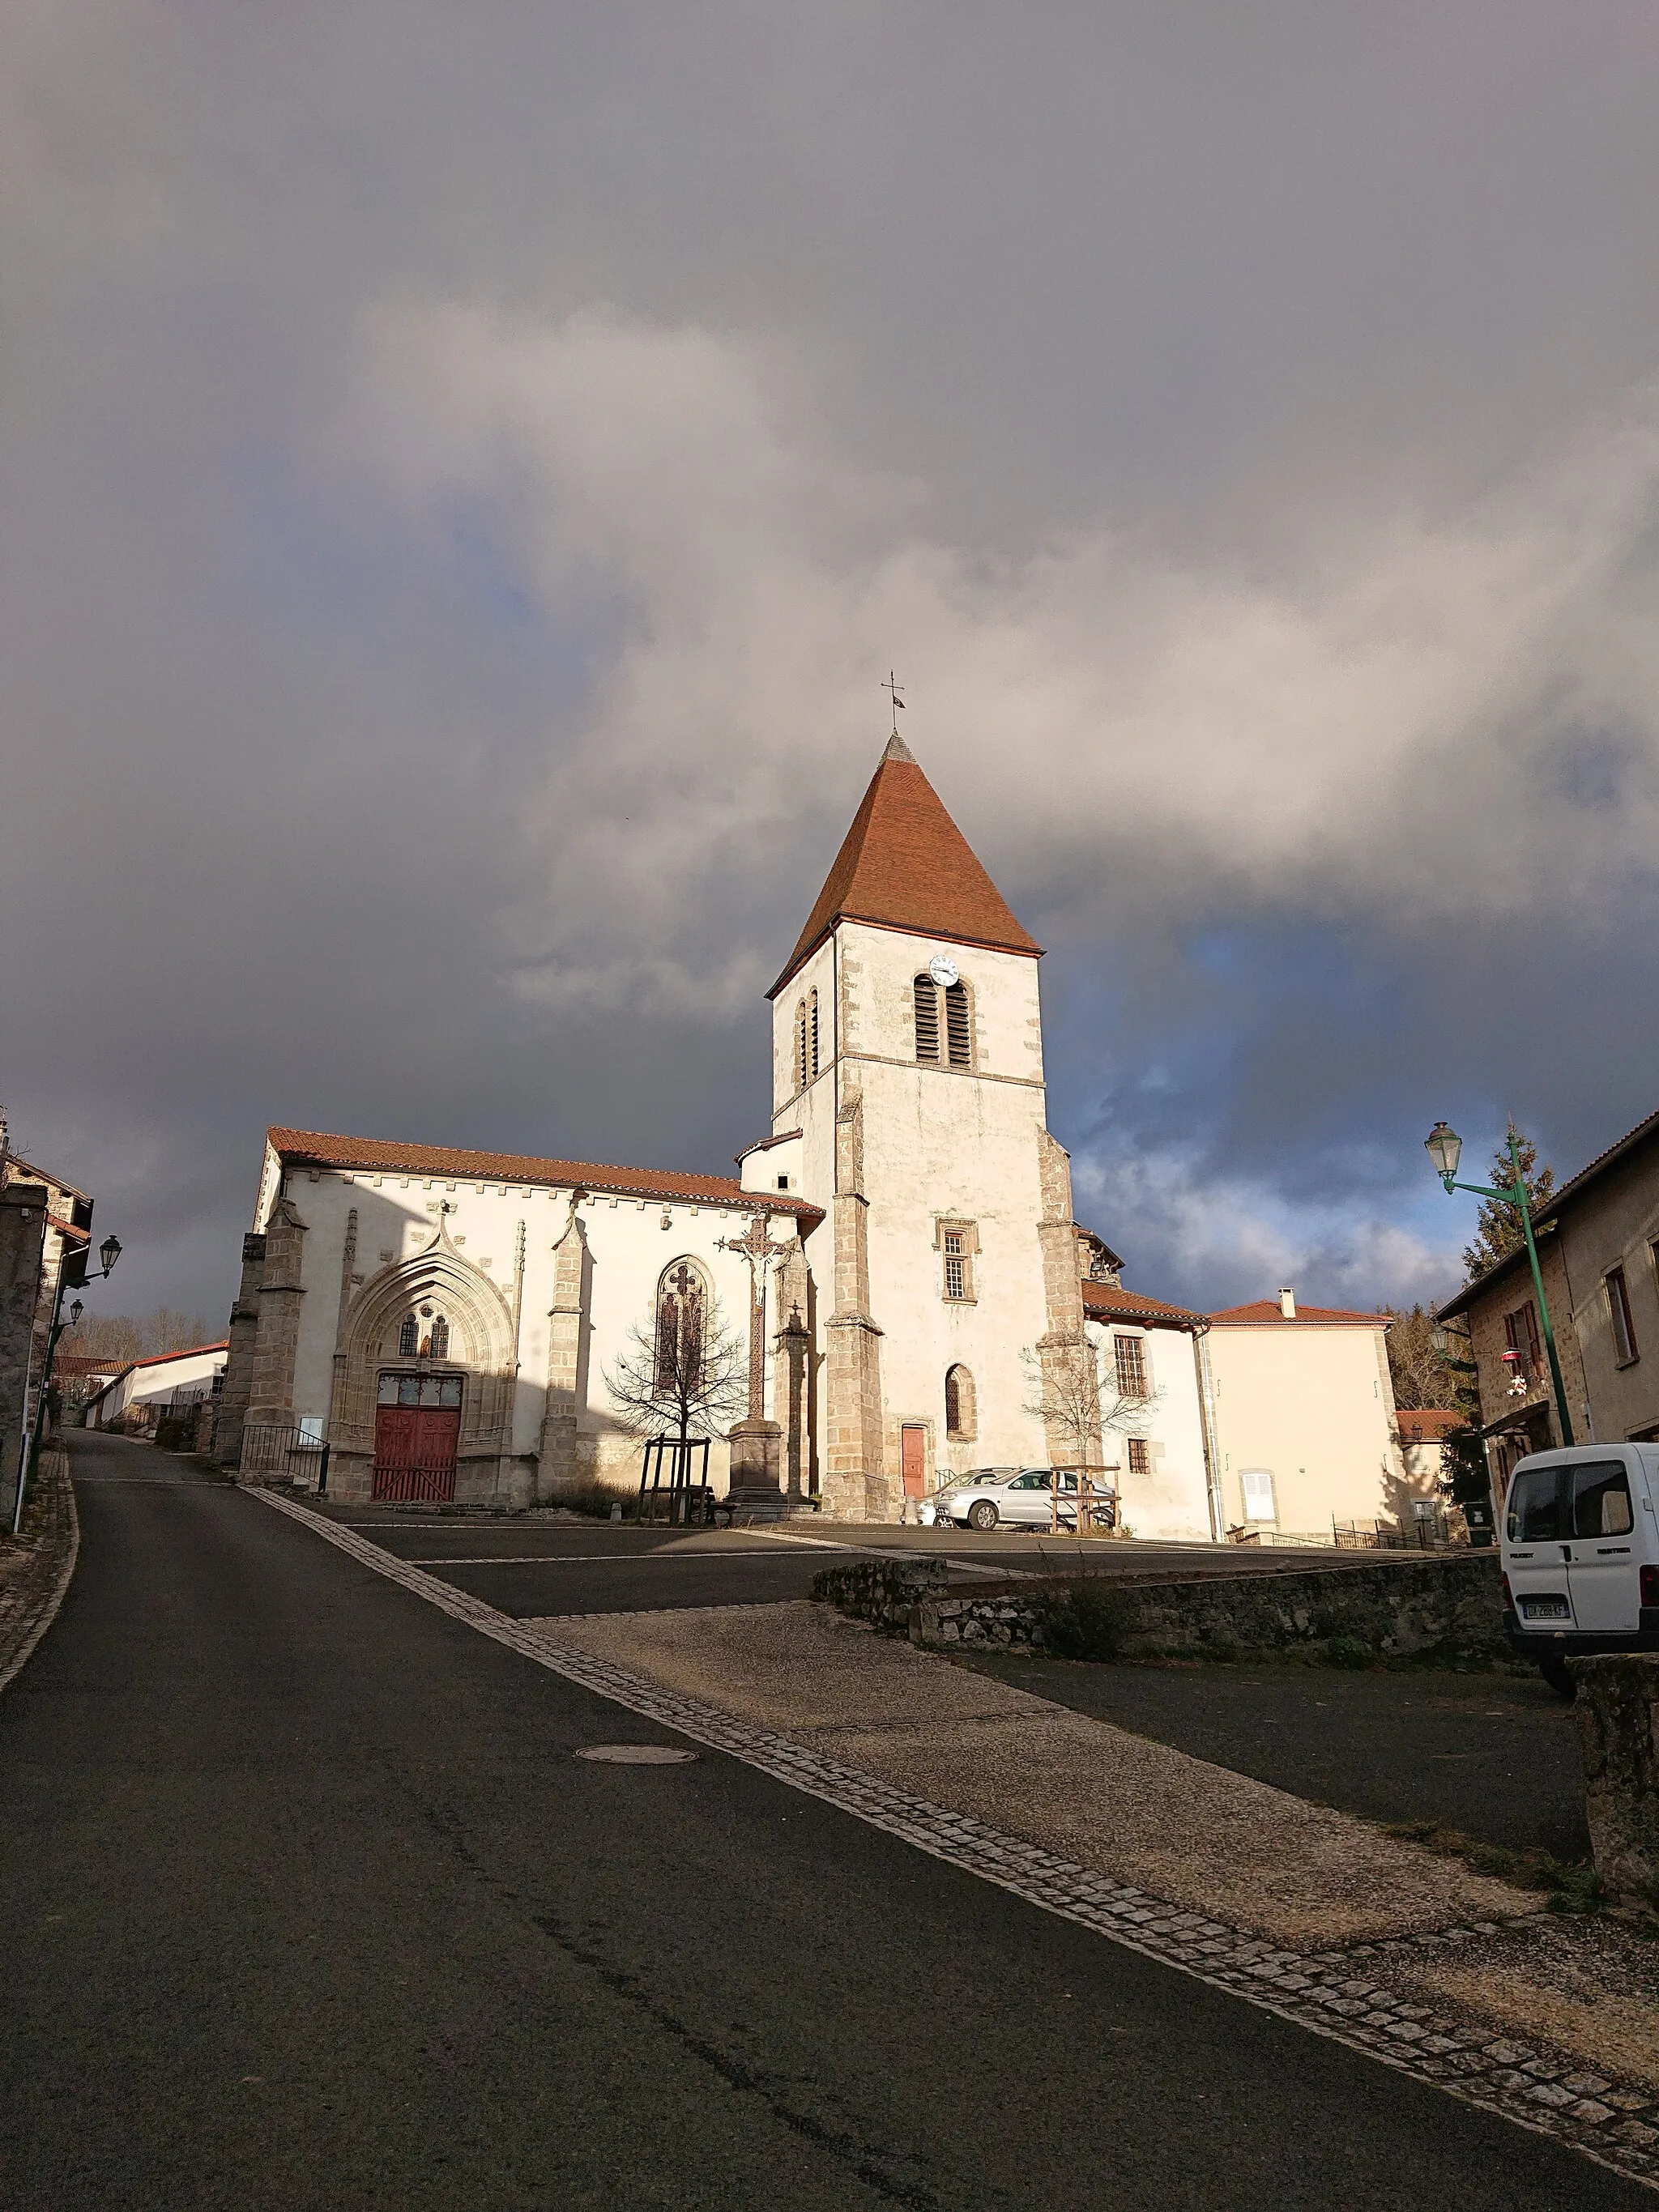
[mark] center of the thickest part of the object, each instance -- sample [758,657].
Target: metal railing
[282,1454]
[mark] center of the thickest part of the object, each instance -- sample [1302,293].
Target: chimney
[1287,1303]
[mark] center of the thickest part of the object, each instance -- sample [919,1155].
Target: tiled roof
[185,1351]
[312,1148]
[1426,1425]
[1106,1301]
[88,1363]
[1265,1312]
[905,865]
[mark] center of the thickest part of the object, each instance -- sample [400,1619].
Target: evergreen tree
[1497,1230]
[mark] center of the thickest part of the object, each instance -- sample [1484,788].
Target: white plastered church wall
[630,1243]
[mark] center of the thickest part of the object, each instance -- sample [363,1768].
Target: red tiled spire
[904,864]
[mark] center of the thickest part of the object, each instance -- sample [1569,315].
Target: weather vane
[894,687]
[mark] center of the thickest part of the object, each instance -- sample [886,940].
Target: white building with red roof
[1306,1434]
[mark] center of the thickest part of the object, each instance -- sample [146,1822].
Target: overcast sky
[467,470]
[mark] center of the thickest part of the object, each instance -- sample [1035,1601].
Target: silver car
[1020,1497]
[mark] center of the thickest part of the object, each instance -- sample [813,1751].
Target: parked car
[1018,1497]
[1580,1553]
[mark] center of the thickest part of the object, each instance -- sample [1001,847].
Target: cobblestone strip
[30,1599]
[1336,1994]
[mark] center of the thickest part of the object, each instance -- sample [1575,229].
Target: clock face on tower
[943,970]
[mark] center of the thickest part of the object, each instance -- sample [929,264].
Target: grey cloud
[1236,422]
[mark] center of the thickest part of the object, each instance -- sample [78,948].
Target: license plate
[1546,1608]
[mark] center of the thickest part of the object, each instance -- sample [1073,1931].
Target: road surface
[307,1903]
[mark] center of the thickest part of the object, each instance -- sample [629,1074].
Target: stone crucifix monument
[757,1444]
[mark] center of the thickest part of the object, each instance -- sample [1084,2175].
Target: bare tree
[139,1336]
[1066,1396]
[683,1381]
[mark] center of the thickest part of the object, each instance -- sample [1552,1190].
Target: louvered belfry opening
[800,1045]
[812,1030]
[958,1029]
[927,1019]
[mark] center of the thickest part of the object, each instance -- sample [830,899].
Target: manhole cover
[636,1755]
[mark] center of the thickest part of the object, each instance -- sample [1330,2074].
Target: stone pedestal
[756,1462]
[1618,1710]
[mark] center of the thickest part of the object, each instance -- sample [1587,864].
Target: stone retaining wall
[1449,1608]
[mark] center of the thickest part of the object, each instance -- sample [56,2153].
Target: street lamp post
[71,1275]
[1445,1148]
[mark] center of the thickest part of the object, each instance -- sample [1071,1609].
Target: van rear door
[1537,1547]
[1602,1577]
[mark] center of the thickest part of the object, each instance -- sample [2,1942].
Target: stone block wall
[22,1244]
[1449,1607]
[1618,1709]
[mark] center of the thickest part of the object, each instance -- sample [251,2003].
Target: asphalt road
[1494,1755]
[526,1566]
[307,1903]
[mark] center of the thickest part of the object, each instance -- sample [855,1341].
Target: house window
[958,1027]
[961,1423]
[1140,1456]
[1623,1330]
[682,1304]
[927,993]
[1258,1483]
[409,1338]
[1521,1338]
[1131,1367]
[783,1182]
[957,1243]
[440,1338]
[956,1267]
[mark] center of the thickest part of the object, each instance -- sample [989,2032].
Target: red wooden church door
[417,1425]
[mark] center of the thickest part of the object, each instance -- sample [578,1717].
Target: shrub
[1082,1618]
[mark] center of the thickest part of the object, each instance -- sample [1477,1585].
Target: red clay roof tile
[905,865]
[1267,1311]
[313,1148]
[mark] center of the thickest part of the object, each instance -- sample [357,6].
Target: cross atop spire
[895,690]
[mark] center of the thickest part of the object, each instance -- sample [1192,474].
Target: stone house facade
[1598,1252]
[46,1228]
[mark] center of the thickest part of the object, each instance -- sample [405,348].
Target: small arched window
[927,992]
[409,1338]
[440,1338]
[958,1027]
[961,1421]
[682,1311]
[812,1030]
[800,1045]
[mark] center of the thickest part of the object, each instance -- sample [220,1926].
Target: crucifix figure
[756,1247]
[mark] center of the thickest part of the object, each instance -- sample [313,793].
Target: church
[895,1269]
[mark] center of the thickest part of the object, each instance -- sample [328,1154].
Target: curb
[29,1604]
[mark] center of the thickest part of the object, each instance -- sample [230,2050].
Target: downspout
[1207,1429]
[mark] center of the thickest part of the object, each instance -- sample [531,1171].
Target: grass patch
[1575,1887]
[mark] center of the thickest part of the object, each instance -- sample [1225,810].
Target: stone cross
[756,1247]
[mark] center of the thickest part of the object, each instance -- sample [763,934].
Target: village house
[136,1398]
[1305,1426]
[46,1229]
[1598,1252]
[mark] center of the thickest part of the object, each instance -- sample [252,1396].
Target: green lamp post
[1445,1148]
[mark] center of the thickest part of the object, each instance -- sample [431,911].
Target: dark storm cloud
[465,471]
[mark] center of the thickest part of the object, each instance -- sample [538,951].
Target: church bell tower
[907,1094]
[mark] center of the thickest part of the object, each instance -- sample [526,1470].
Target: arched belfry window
[440,1338]
[958,1026]
[682,1323]
[800,1045]
[409,1338]
[961,1415]
[812,1031]
[927,991]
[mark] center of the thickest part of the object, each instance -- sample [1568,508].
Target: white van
[1580,1550]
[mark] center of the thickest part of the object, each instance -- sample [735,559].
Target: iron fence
[280,1453]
